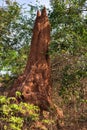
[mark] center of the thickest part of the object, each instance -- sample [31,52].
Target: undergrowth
[20,116]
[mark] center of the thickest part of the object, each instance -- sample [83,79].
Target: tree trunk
[35,83]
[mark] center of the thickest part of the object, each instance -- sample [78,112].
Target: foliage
[15,34]
[69,44]
[18,116]
[73,73]
[68,26]
[13,115]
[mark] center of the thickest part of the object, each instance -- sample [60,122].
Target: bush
[13,115]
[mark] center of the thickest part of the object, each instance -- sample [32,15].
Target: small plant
[13,115]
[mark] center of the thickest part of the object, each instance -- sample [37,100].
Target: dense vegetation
[68,52]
